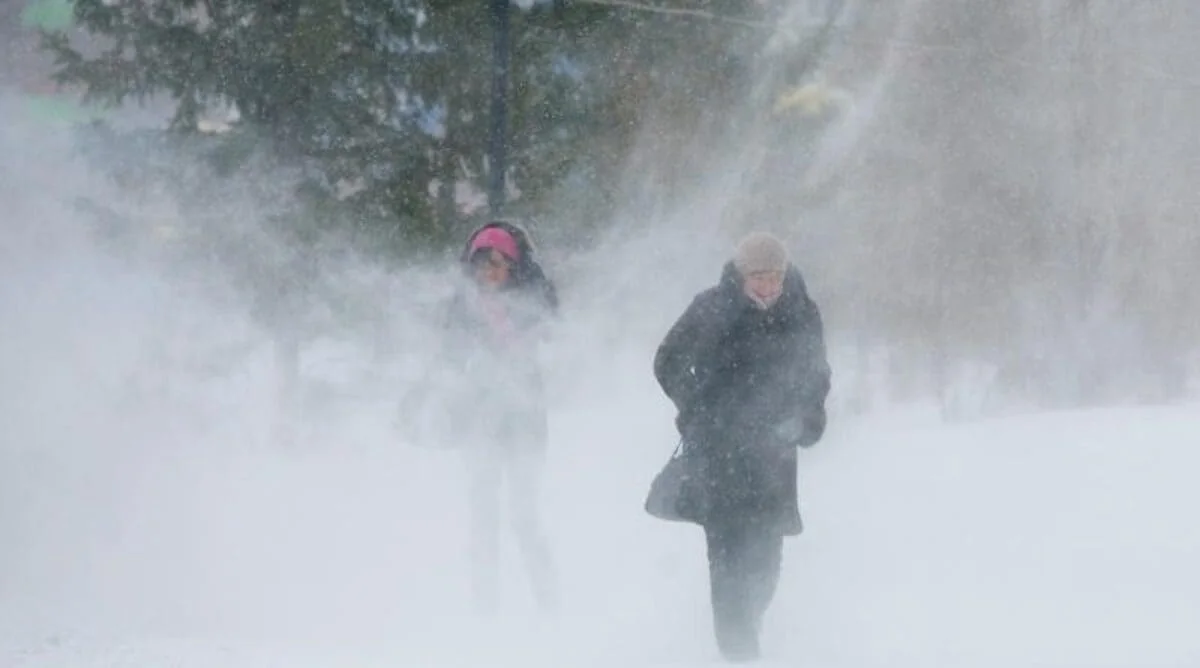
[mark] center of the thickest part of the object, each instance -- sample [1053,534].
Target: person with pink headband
[498,239]
[492,327]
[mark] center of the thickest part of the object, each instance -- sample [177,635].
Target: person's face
[764,287]
[493,270]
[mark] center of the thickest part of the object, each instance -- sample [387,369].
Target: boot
[738,644]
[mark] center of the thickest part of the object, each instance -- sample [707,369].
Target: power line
[680,11]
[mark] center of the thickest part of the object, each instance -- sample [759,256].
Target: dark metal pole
[498,148]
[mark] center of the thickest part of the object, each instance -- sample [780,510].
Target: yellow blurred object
[811,99]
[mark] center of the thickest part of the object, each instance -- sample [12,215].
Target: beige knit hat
[760,251]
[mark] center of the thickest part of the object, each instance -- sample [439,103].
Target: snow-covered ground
[1044,540]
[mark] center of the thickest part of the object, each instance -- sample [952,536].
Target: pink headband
[498,239]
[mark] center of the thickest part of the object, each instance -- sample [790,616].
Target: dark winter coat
[500,401]
[750,387]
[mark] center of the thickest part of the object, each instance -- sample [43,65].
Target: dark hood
[793,299]
[527,276]
[526,271]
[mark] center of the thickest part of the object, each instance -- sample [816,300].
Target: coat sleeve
[538,301]
[550,297]
[677,355]
[539,308]
[813,376]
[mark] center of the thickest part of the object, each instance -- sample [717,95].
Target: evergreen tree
[383,105]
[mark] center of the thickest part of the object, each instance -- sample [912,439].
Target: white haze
[161,483]
[165,501]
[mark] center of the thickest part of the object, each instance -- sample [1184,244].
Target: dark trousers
[744,559]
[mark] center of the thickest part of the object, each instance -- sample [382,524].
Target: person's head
[762,261]
[492,254]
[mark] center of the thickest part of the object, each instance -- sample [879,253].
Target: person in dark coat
[745,365]
[493,326]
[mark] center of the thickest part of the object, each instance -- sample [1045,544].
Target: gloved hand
[802,432]
[790,431]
